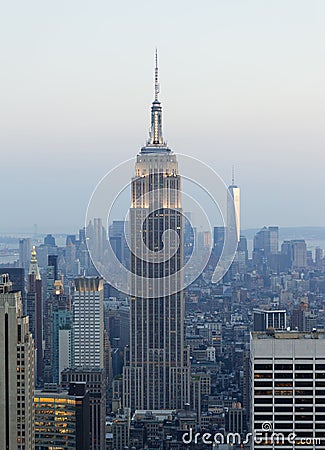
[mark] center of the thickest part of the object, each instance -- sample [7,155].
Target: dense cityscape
[239,363]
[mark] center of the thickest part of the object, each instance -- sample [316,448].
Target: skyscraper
[156,372]
[57,315]
[16,372]
[62,341]
[17,278]
[35,311]
[299,254]
[218,240]
[294,254]
[266,248]
[25,246]
[234,191]
[287,389]
[118,241]
[274,240]
[88,322]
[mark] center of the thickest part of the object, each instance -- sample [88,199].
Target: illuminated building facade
[62,418]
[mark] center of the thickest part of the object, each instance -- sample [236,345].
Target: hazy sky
[242,82]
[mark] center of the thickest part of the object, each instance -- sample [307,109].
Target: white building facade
[88,322]
[288,389]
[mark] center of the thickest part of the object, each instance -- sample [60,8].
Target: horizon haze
[240,83]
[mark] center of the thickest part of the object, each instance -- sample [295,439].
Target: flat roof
[287,334]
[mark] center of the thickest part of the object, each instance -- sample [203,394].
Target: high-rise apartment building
[16,372]
[88,322]
[287,389]
[156,371]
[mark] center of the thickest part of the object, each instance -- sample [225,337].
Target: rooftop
[271,334]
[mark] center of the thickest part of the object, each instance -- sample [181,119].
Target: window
[304,366]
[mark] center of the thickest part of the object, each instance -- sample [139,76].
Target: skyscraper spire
[155,135]
[33,267]
[233,175]
[156,78]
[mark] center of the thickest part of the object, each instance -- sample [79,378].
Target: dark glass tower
[35,311]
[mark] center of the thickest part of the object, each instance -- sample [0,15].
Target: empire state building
[156,370]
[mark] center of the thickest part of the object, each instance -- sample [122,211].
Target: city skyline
[163,303]
[245,88]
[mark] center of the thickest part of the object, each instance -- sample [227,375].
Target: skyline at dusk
[162,236]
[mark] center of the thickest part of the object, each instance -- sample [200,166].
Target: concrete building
[88,322]
[287,389]
[16,372]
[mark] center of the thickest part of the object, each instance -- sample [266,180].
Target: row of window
[284,409]
[297,366]
[290,375]
[296,392]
